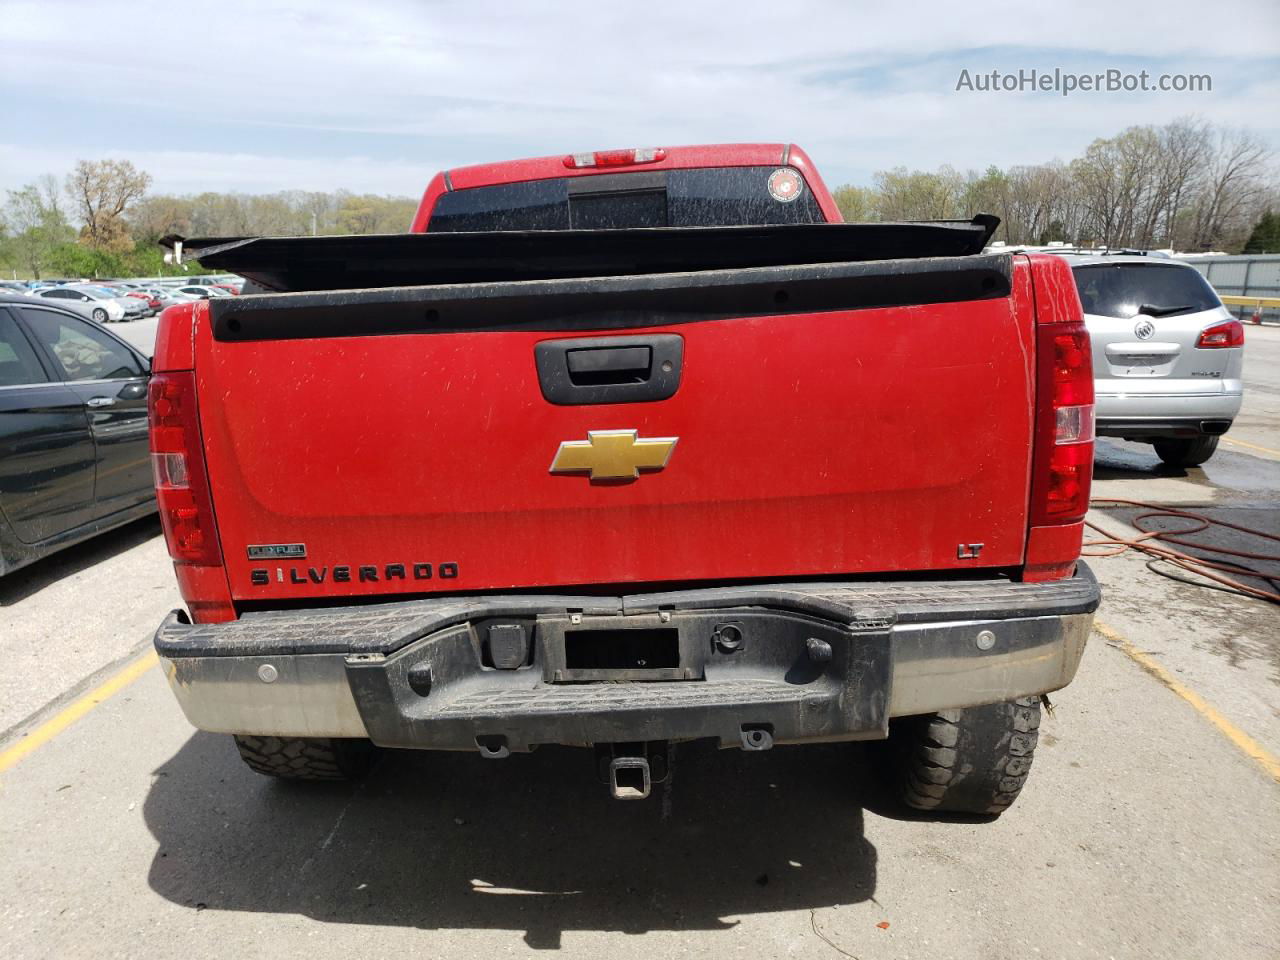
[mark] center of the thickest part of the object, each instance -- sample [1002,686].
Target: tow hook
[631,769]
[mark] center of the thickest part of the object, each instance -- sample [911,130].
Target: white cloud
[402,87]
[189,171]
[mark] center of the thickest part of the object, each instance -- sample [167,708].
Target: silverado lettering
[806,572]
[261,576]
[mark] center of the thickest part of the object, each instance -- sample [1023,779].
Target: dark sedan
[74,457]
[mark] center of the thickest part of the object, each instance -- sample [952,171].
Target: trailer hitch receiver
[629,778]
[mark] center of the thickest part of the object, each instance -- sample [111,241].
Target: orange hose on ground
[1146,542]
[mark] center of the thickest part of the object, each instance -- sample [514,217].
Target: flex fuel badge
[785,184]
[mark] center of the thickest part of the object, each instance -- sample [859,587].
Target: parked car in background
[174,294]
[212,280]
[133,307]
[127,292]
[230,288]
[103,305]
[1167,355]
[153,303]
[199,292]
[82,308]
[166,297]
[151,299]
[74,456]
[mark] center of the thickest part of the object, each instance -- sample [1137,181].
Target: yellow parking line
[73,712]
[1251,446]
[1245,743]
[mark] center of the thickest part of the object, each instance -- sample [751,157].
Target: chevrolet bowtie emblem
[613,454]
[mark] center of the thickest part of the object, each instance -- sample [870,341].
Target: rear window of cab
[701,197]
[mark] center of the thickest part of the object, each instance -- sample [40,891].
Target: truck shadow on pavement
[530,843]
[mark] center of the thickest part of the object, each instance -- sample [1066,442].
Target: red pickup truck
[623,449]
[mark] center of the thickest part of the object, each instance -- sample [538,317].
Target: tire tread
[305,758]
[972,761]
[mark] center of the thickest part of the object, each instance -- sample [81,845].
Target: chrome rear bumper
[827,661]
[1147,414]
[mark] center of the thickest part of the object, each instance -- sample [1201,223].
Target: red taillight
[1227,334]
[1063,467]
[615,158]
[177,460]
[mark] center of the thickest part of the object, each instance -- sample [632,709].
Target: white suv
[1167,355]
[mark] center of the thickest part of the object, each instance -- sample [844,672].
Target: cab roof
[673,158]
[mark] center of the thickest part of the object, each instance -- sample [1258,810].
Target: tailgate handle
[592,370]
[601,365]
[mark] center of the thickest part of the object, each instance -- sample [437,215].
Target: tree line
[288,213]
[120,223]
[1187,185]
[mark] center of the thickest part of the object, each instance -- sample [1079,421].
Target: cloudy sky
[377,95]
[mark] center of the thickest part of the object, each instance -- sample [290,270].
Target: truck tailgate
[843,429]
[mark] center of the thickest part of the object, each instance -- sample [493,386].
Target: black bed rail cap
[294,264]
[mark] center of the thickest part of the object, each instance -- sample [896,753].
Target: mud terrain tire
[306,758]
[971,761]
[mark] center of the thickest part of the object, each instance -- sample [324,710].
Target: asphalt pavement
[1150,826]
